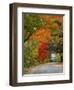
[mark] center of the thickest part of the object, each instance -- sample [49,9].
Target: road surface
[47,68]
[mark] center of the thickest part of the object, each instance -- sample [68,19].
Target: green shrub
[30,53]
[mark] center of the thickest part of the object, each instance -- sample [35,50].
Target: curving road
[47,68]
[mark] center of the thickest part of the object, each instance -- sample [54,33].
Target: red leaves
[42,51]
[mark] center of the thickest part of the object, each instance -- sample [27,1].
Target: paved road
[47,68]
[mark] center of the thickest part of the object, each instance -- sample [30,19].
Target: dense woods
[43,35]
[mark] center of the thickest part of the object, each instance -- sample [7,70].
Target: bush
[30,53]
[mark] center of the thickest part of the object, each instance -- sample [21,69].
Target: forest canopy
[41,32]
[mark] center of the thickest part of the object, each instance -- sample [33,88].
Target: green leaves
[34,22]
[58,22]
[30,53]
[53,30]
[31,24]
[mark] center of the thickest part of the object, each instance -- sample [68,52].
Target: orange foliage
[47,18]
[41,35]
[51,18]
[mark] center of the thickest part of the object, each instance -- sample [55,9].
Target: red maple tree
[43,51]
